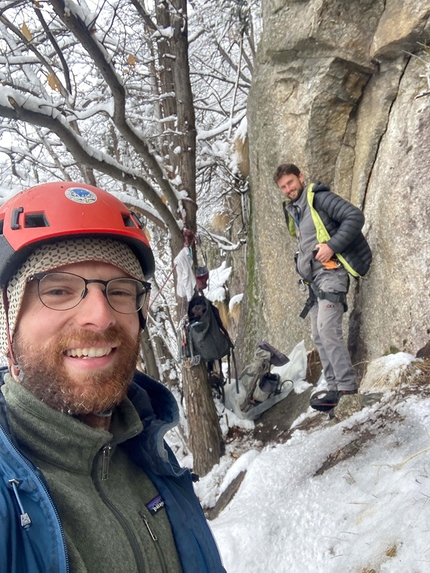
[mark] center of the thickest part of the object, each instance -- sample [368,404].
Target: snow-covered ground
[346,497]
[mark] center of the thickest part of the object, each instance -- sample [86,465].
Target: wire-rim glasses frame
[60,290]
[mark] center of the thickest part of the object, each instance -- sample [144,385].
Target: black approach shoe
[326,401]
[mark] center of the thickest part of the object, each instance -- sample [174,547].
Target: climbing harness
[316,293]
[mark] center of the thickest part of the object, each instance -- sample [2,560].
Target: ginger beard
[45,375]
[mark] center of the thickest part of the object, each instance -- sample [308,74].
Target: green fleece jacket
[102,497]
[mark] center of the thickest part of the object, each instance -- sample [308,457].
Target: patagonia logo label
[155,504]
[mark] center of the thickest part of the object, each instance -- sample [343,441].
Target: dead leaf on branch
[53,82]
[26,32]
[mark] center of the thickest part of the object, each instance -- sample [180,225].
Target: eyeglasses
[63,291]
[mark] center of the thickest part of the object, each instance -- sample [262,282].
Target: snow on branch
[205,135]
[142,206]
[222,242]
[34,110]
[164,33]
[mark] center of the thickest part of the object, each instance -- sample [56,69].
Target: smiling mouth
[89,352]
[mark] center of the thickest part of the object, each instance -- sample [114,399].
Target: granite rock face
[341,89]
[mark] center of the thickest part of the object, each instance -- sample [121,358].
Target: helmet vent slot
[128,220]
[35,220]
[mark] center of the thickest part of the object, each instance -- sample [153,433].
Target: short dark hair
[286,169]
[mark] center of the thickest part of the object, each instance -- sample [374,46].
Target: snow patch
[386,372]
[236,299]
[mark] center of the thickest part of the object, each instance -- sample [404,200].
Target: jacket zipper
[155,540]
[14,484]
[106,452]
[104,474]
[24,517]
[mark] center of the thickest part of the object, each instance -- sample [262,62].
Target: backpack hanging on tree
[210,341]
[208,336]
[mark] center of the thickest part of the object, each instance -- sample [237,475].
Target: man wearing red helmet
[87,482]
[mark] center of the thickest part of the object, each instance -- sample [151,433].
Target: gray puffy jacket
[343,222]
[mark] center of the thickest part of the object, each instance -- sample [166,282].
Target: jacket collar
[158,412]
[59,440]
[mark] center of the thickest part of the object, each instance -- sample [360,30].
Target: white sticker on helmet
[79,195]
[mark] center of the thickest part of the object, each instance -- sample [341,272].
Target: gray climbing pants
[326,323]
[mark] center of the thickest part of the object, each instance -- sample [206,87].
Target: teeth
[89,352]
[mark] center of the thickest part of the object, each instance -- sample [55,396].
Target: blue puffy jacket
[31,535]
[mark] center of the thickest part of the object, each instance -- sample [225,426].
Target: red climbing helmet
[65,210]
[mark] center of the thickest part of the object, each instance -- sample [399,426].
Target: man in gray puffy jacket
[330,247]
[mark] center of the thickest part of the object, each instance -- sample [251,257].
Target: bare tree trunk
[205,439]
[164,355]
[151,367]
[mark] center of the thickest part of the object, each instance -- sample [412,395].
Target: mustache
[78,338]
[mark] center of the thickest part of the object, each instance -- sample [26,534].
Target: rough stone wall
[340,90]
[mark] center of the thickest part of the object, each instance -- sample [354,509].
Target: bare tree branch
[29,46]
[87,38]
[76,146]
[56,47]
